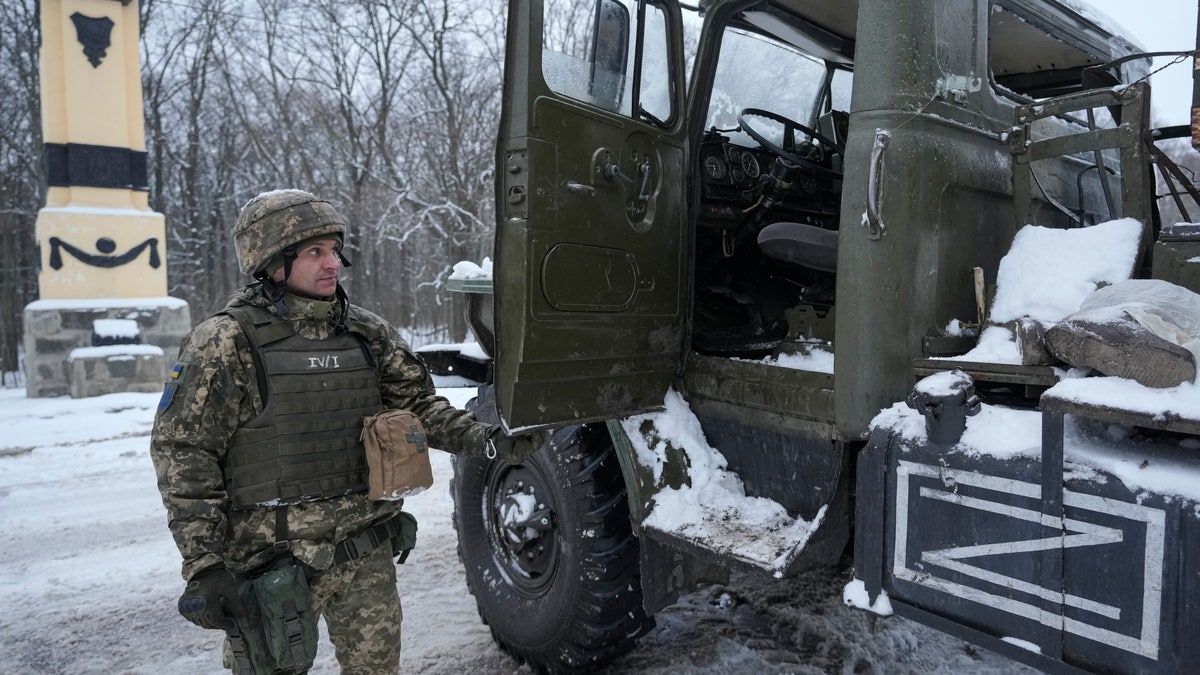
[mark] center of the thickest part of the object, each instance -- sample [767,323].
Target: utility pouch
[279,634]
[405,538]
[397,455]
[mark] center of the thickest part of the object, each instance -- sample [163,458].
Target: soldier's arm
[405,383]
[202,406]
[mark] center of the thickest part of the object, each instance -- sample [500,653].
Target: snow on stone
[465,269]
[78,209]
[114,352]
[714,509]
[107,303]
[115,328]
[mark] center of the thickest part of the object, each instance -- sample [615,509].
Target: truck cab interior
[769,167]
[768,173]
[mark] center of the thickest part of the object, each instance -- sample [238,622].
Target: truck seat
[799,244]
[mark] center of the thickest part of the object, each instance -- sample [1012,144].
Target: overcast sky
[1161,25]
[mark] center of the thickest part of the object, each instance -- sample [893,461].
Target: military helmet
[273,221]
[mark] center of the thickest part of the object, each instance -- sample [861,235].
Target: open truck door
[590,255]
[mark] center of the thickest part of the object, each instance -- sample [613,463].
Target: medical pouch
[397,455]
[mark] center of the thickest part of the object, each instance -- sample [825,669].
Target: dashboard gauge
[714,167]
[750,165]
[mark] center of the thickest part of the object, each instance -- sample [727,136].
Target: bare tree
[453,112]
[21,192]
[388,107]
[193,146]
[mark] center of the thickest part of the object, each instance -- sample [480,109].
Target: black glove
[515,449]
[211,599]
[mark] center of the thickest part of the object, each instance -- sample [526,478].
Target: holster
[278,634]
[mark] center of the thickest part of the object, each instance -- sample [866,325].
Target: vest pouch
[397,455]
[280,633]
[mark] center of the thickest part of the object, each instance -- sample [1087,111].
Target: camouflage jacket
[214,390]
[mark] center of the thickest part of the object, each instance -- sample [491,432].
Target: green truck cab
[769,220]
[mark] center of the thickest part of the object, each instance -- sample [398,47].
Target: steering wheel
[789,150]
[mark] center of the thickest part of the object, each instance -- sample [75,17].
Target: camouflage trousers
[362,613]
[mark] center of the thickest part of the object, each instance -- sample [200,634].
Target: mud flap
[870,507]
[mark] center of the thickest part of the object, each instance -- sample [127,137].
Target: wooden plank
[989,372]
[1165,421]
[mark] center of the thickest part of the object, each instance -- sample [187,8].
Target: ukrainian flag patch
[172,385]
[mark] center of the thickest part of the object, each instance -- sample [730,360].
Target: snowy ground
[89,577]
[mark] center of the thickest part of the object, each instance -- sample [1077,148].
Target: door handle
[644,194]
[873,219]
[572,186]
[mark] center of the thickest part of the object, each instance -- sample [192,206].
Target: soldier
[257,449]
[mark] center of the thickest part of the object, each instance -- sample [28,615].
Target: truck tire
[550,554]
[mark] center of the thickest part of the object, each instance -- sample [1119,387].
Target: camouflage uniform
[214,393]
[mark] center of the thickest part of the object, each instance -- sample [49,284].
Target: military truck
[745,256]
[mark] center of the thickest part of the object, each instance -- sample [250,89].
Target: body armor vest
[305,444]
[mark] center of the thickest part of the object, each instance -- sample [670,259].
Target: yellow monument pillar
[102,248]
[98,236]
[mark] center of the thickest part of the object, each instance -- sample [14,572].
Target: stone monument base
[96,371]
[65,342]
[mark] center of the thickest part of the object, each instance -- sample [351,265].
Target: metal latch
[612,171]
[956,87]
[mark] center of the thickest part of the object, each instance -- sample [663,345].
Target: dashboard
[733,179]
[731,172]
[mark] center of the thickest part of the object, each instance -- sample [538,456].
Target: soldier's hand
[211,599]
[515,449]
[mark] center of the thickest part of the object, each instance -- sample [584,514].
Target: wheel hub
[524,522]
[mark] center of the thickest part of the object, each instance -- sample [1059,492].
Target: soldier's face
[315,270]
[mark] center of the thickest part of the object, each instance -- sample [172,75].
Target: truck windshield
[756,72]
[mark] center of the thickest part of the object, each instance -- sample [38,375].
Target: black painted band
[71,164]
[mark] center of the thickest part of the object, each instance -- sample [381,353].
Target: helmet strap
[344,260]
[274,291]
[289,256]
[343,309]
